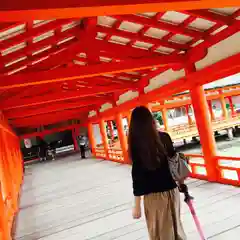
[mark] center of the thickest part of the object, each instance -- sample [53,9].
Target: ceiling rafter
[49,118]
[73,73]
[137,37]
[56,107]
[34,32]
[30,49]
[60,96]
[160,25]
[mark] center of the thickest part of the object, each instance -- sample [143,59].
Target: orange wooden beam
[137,37]
[14,10]
[34,47]
[28,35]
[159,24]
[74,73]
[60,96]
[49,118]
[4,125]
[16,95]
[211,16]
[180,102]
[62,106]
[223,68]
[47,132]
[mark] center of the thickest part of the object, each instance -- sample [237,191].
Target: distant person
[82,143]
[42,150]
[152,180]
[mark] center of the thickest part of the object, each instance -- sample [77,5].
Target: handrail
[228,173]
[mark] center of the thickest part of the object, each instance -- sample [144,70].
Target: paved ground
[90,199]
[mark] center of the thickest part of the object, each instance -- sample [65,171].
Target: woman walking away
[149,151]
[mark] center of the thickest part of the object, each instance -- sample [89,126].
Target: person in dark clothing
[42,150]
[149,151]
[82,143]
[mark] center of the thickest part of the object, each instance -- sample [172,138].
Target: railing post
[231,105]
[165,118]
[204,126]
[211,110]
[104,137]
[223,105]
[91,138]
[190,122]
[122,137]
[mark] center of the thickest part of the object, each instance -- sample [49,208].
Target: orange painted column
[165,118]
[211,110]
[91,138]
[122,137]
[74,137]
[204,126]
[3,218]
[190,122]
[231,106]
[147,105]
[223,106]
[104,137]
[110,126]
[128,116]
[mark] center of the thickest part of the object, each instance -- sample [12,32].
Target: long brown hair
[144,142]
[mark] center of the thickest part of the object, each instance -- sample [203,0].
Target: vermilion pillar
[91,138]
[223,106]
[75,143]
[165,118]
[3,222]
[190,122]
[204,126]
[231,105]
[211,110]
[110,126]
[128,116]
[122,137]
[104,137]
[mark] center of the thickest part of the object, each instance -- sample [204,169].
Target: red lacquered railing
[115,155]
[228,168]
[197,165]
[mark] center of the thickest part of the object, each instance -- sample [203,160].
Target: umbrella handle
[184,189]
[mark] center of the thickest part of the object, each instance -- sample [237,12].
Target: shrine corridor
[77,199]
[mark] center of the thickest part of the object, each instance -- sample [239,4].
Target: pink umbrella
[189,200]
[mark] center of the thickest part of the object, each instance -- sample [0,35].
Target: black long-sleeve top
[147,181]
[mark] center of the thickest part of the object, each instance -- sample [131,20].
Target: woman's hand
[136,212]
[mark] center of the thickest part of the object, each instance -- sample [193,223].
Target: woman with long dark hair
[149,151]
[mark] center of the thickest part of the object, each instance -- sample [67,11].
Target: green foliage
[158,116]
[228,106]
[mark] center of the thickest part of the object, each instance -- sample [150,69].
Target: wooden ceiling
[67,67]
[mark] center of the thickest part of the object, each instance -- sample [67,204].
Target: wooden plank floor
[90,199]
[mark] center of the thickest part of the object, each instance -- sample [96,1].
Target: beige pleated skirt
[162,211]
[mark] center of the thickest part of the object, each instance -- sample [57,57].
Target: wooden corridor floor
[90,199]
